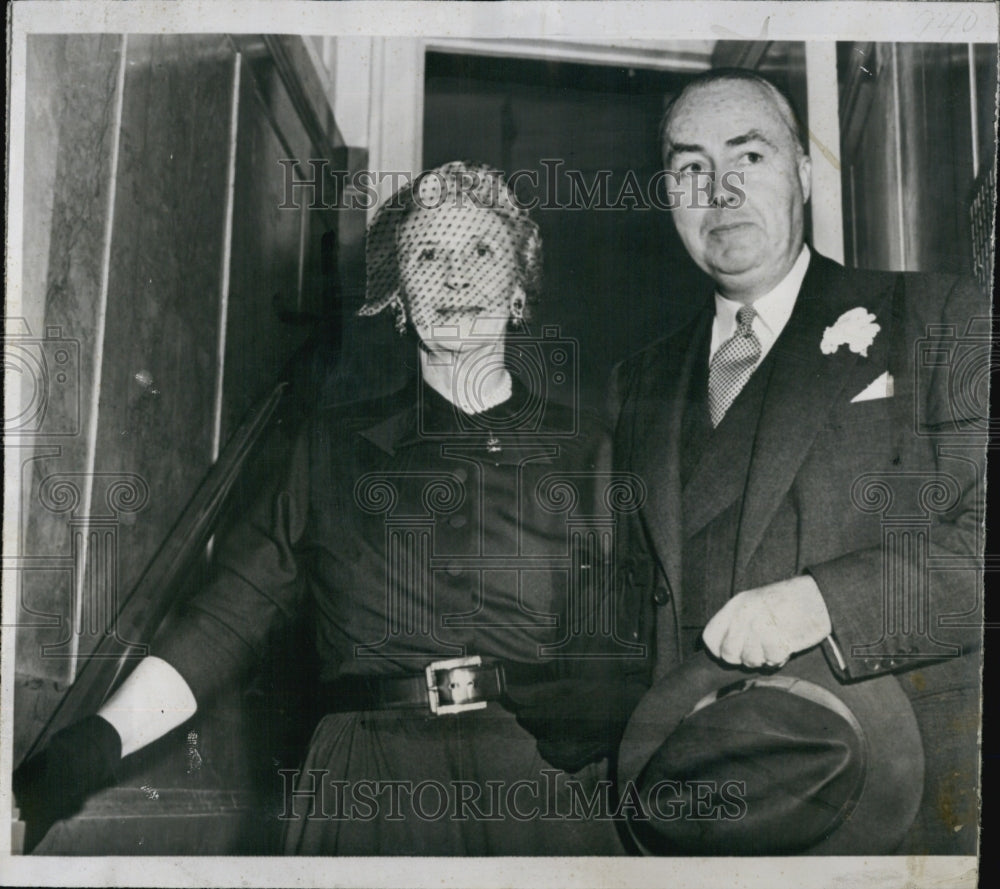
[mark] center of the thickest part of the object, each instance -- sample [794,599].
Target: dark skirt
[394,783]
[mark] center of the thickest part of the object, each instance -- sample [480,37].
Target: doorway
[580,142]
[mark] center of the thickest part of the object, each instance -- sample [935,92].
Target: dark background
[614,279]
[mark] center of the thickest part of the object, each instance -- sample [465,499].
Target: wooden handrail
[145,607]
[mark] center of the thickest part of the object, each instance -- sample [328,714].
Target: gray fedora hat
[720,760]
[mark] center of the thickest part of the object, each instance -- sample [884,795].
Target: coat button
[661,595]
[461,474]
[454,570]
[458,521]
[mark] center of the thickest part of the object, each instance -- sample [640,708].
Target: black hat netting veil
[453,241]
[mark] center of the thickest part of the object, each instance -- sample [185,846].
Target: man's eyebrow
[682,147]
[735,141]
[750,136]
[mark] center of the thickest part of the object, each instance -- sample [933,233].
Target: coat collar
[394,419]
[417,415]
[656,438]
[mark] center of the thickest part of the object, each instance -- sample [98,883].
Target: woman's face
[457,270]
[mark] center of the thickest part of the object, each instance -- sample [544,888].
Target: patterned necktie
[732,365]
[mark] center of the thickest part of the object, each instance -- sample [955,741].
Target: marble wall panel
[70,132]
[160,352]
[912,212]
[875,171]
[936,115]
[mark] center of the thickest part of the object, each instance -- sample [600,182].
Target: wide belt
[450,686]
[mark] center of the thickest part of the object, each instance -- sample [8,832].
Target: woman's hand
[54,783]
[83,758]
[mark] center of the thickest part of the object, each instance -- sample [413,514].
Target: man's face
[735,127]
[457,270]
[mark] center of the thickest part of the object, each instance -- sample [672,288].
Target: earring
[399,310]
[517,311]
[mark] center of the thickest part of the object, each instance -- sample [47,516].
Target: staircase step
[171,821]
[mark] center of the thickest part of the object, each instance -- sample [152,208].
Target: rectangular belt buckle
[458,691]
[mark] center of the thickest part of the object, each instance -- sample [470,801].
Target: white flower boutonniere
[856,329]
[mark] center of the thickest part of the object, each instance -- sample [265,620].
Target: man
[790,430]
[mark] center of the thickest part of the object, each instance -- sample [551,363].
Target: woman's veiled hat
[457,182]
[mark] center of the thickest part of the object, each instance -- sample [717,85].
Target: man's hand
[767,625]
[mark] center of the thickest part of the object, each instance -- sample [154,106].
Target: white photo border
[614,22]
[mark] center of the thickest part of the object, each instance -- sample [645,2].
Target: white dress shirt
[773,310]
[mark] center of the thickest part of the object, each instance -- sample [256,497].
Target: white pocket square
[880,387]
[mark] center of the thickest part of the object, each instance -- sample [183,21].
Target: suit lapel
[657,443]
[804,384]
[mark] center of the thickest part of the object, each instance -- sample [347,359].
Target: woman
[451,541]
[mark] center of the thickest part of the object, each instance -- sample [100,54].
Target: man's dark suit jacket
[881,500]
